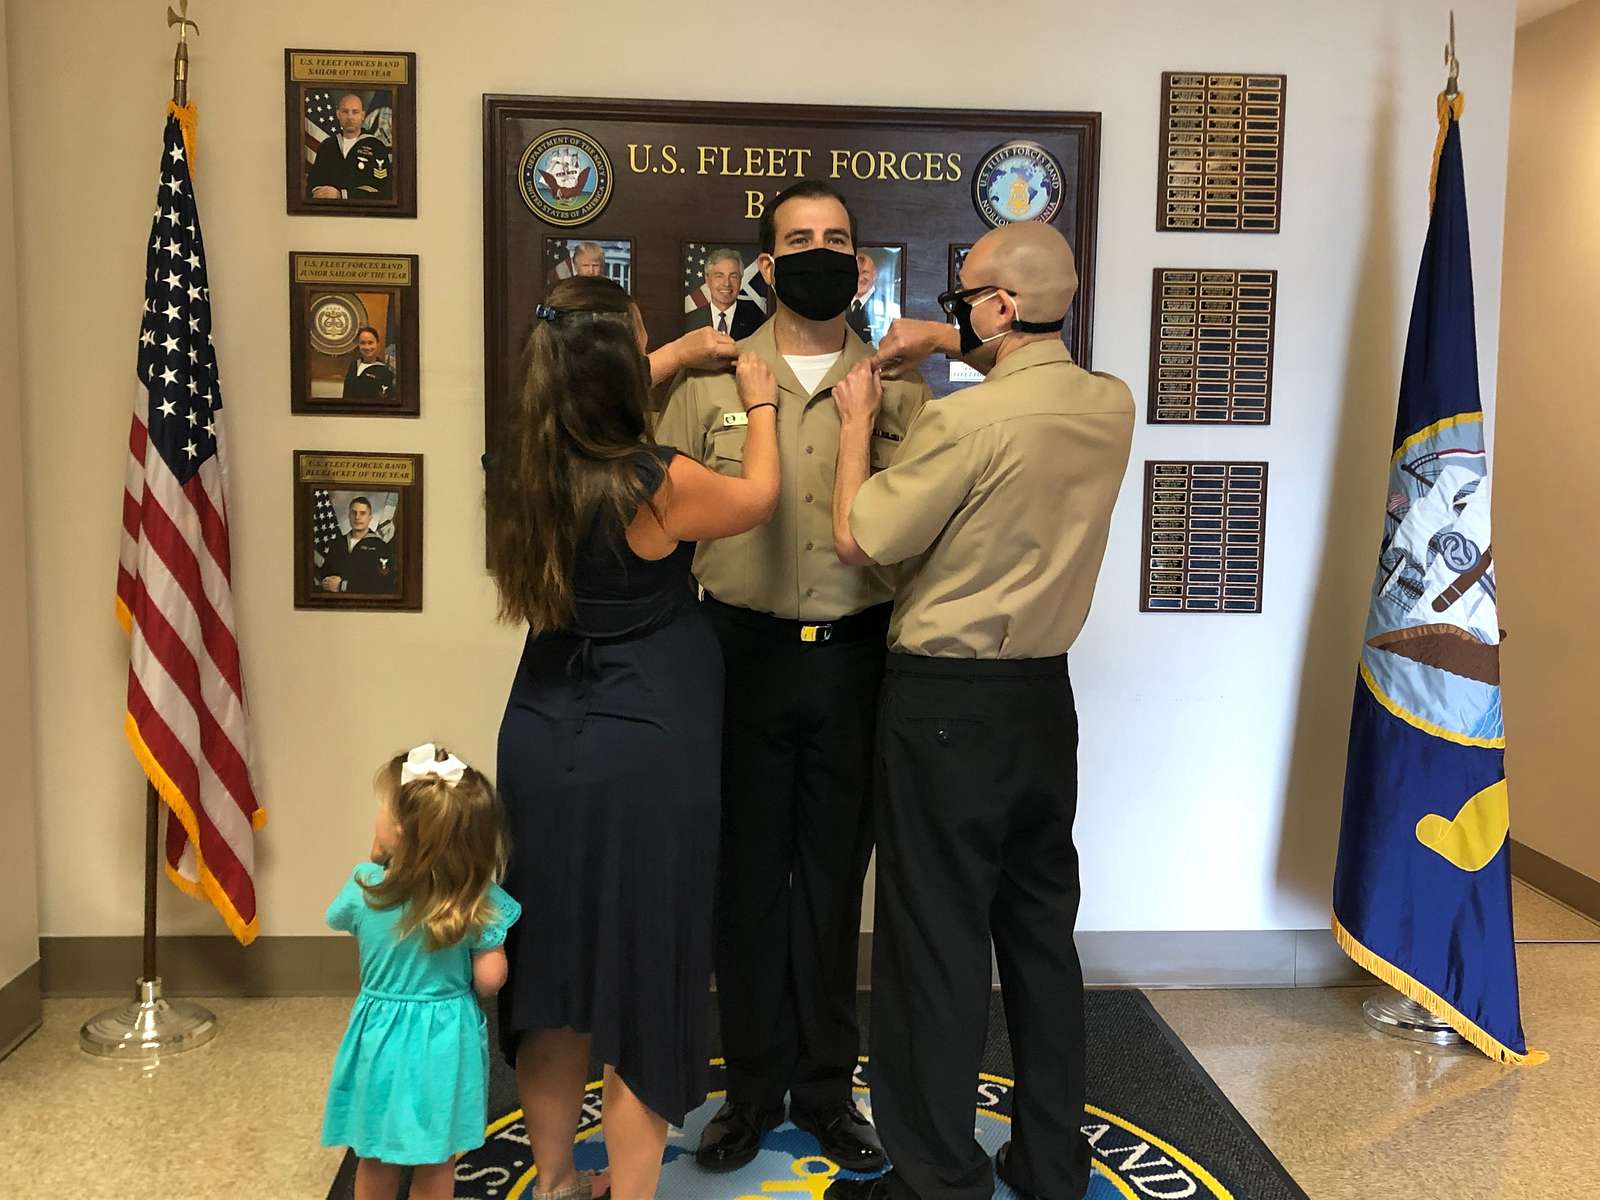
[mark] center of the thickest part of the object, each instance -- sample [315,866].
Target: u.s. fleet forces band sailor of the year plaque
[1205,527]
[1211,339]
[1221,166]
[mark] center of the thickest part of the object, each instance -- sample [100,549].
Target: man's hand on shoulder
[910,341]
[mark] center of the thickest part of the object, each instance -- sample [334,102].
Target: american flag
[325,529]
[186,717]
[321,120]
[754,288]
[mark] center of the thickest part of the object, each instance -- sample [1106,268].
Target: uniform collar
[764,344]
[1034,354]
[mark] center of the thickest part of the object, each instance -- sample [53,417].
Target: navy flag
[1422,891]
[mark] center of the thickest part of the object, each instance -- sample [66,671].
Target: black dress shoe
[1001,1165]
[876,1188]
[847,1137]
[733,1137]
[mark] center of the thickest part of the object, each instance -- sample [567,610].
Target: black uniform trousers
[977,790]
[798,721]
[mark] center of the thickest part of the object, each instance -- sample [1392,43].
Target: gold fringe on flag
[208,887]
[1448,109]
[189,120]
[1432,1001]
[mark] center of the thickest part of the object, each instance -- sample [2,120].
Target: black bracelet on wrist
[763,404]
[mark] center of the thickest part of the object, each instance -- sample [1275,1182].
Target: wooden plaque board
[1221,164]
[1211,343]
[1205,530]
[661,176]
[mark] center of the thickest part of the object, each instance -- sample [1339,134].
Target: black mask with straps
[958,304]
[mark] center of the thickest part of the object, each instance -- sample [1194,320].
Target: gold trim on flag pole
[1452,102]
[181,106]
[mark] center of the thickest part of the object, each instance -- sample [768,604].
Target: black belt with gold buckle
[869,623]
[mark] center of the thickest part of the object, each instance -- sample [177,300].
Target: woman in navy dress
[610,758]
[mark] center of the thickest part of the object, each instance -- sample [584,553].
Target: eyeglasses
[957,298]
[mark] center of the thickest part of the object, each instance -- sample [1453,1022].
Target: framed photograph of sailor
[608,258]
[357,530]
[350,133]
[353,334]
[958,258]
[880,291]
[722,289]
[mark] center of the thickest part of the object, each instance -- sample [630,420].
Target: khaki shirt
[786,567]
[1002,494]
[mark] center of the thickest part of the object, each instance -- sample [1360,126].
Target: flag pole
[150,1027]
[152,833]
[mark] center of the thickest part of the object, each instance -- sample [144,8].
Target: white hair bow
[423,762]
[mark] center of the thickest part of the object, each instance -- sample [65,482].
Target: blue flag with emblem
[1422,891]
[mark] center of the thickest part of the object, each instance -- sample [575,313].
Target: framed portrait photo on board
[357,530]
[353,334]
[350,133]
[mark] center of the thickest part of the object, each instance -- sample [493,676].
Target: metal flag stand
[1389,1011]
[1402,1017]
[150,1027]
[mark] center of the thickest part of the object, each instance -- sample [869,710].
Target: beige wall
[1547,465]
[19,876]
[333,693]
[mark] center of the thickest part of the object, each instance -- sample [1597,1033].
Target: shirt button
[811,449]
[811,545]
[808,497]
[811,591]
[943,736]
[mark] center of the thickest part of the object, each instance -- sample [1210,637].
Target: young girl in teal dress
[410,1083]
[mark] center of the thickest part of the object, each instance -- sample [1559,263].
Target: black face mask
[817,284]
[961,309]
[958,304]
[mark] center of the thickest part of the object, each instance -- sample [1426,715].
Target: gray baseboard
[201,966]
[1556,880]
[326,966]
[1255,958]
[20,1009]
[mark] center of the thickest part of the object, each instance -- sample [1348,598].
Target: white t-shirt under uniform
[811,369]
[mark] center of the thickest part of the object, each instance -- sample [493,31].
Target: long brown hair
[575,450]
[452,847]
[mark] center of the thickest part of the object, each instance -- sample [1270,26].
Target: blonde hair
[452,847]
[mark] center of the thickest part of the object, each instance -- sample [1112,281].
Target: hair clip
[545,313]
[427,762]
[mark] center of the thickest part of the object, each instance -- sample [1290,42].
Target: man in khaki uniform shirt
[802,636]
[998,505]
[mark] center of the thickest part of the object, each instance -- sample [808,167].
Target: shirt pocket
[727,450]
[884,447]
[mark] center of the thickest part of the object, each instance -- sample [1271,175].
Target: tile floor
[1349,1112]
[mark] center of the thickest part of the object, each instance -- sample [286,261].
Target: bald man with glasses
[997,508]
